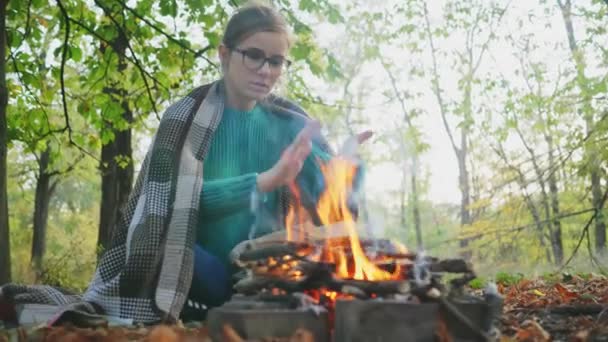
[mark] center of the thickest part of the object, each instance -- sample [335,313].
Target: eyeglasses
[254,59]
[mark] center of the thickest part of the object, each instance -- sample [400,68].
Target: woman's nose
[264,69]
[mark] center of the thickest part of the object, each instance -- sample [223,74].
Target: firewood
[337,233]
[254,284]
[380,288]
[286,248]
[451,266]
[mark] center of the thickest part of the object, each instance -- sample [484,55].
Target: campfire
[324,278]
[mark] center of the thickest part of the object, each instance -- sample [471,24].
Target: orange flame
[339,175]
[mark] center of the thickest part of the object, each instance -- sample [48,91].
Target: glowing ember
[339,175]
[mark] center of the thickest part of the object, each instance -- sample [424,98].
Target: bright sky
[440,161]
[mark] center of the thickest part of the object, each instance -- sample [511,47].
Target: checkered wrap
[146,273]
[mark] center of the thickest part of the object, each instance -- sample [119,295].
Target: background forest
[490,120]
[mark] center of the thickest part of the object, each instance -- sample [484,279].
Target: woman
[255,147]
[192,200]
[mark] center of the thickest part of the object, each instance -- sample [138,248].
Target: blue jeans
[211,281]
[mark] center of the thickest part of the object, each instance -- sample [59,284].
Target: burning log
[336,235]
[451,266]
[379,288]
[297,266]
[276,250]
[257,283]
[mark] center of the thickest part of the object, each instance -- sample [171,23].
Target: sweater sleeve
[221,197]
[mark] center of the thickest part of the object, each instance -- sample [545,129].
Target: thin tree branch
[64,54]
[101,38]
[513,229]
[435,81]
[67,170]
[27,19]
[487,42]
[137,63]
[320,102]
[586,228]
[199,53]
[36,99]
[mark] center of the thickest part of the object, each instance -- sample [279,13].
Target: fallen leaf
[532,331]
[163,333]
[566,295]
[538,293]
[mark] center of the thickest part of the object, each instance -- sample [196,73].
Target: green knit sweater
[245,144]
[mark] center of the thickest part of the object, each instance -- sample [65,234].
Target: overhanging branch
[36,99]
[101,38]
[199,53]
[435,81]
[135,60]
[64,53]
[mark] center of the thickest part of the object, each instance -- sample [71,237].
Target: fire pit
[339,286]
[265,315]
[285,289]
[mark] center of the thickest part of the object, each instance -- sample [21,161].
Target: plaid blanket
[145,275]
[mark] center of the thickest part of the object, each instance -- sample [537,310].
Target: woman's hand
[289,166]
[351,145]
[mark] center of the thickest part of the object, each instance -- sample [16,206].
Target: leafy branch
[64,54]
[109,43]
[513,229]
[40,104]
[197,54]
[136,61]
[585,232]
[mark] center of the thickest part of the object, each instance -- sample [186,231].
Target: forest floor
[566,308]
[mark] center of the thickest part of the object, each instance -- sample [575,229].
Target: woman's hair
[252,18]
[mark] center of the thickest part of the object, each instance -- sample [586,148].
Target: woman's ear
[224,55]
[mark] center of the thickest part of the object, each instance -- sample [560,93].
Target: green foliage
[124,62]
[512,119]
[508,278]
[478,283]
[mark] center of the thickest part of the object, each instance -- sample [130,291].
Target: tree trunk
[556,233]
[116,180]
[594,167]
[600,223]
[416,208]
[414,167]
[44,190]
[5,250]
[465,196]
[403,204]
[523,182]
[463,172]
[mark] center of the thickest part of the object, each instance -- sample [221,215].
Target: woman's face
[252,68]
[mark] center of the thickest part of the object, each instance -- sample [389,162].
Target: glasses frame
[244,53]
